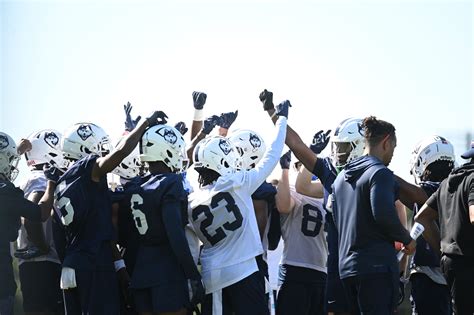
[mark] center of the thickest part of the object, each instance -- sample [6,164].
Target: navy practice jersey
[14,206]
[155,262]
[84,209]
[327,174]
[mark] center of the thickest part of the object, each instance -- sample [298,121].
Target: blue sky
[407,62]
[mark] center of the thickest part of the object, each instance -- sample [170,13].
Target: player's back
[223,218]
[83,207]
[303,234]
[155,262]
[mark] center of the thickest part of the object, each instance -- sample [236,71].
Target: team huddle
[158,243]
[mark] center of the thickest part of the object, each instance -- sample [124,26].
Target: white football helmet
[218,154]
[250,147]
[83,139]
[427,151]
[46,149]
[130,166]
[166,144]
[8,157]
[347,142]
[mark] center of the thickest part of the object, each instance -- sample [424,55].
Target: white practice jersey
[223,218]
[303,234]
[37,183]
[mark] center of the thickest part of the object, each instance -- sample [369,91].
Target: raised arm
[283,200]
[293,140]
[305,186]
[199,99]
[209,124]
[109,162]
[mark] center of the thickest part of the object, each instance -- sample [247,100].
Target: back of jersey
[155,261]
[84,209]
[223,218]
[303,234]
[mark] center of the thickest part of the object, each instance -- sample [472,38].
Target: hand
[130,123]
[227,119]
[29,252]
[209,123]
[157,118]
[52,173]
[409,249]
[320,141]
[282,108]
[266,97]
[199,99]
[181,126]
[285,160]
[196,292]
[23,146]
[124,281]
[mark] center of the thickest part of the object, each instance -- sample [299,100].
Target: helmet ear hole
[169,153]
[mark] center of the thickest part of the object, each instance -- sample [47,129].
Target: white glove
[68,278]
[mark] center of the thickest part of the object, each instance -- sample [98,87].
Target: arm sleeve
[176,235]
[382,201]
[23,207]
[256,176]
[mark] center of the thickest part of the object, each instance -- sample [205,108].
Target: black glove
[282,108]
[209,123]
[266,97]
[199,99]
[181,126]
[52,173]
[227,119]
[157,118]
[29,253]
[196,292]
[285,160]
[320,141]
[130,123]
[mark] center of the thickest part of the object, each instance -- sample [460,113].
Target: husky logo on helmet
[3,142]
[225,146]
[51,139]
[167,134]
[84,131]
[255,141]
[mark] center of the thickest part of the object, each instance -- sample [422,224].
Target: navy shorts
[40,287]
[429,297]
[302,292]
[163,298]
[96,293]
[246,297]
[373,294]
[336,297]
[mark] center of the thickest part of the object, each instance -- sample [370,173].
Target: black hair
[376,130]
[437,171]
[206,176]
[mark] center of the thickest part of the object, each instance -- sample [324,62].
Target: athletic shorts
[246,297]
[96,293]
[40,286]
[162,298]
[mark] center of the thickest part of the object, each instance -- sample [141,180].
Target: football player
[347,145]
[40,268]
[164,265]
[432,160]
[15,206]
[303,269]
[83,207]
[221,214]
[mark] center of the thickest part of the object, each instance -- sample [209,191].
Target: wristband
[198,114]
[273,115]
[119,264]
